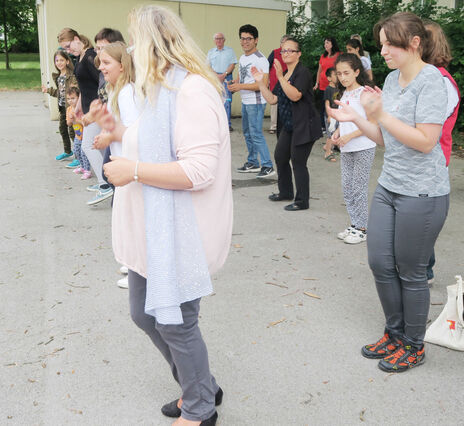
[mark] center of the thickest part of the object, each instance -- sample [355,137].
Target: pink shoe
[86,174]
[78,170]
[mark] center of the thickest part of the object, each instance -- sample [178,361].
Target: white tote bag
[448,329]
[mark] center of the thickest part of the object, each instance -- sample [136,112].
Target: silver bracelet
[136,176]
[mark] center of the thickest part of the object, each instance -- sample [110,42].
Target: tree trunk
[5,36]
[335,8]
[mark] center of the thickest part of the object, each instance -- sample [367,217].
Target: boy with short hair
[253,104]
[330,94]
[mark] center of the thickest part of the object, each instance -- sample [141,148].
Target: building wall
[202,20]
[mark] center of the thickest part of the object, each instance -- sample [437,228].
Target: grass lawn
[24,73]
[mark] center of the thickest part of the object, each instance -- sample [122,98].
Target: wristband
[136,176]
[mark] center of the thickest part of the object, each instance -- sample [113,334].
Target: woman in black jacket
[298,125]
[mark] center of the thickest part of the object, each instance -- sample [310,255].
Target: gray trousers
[355,169]
[402,233]
[94,156]
[183,348]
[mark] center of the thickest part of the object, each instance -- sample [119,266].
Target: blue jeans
[228,100]
[252,125]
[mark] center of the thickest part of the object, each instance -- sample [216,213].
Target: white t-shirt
[128,113]
[258,60]
[367,65]
[353,99]
[453,97]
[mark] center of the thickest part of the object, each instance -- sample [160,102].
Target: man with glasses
[275,54]
[222,60]
[253,104]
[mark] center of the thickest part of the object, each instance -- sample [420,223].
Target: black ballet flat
[172,410]
[211,421]
[278,197]
[295,207]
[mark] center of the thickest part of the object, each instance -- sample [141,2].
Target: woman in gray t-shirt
[410,204]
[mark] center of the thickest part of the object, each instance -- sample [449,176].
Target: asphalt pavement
[291,309]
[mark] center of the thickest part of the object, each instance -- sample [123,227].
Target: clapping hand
[371,101]
[345,113]
[257,74]
[278,69]
[233,86]
[104,118]
[102,140]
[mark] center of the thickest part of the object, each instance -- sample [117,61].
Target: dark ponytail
[355,64]
[356,44]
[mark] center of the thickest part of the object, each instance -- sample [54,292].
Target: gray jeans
[402,233]
[183,348]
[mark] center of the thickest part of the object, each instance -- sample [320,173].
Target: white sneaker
[124,270]
[342,235]
[355,237]
[124,282]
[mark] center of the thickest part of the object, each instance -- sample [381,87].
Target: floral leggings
[80,155]
[356,168]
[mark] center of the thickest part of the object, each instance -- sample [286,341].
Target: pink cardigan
[202,141]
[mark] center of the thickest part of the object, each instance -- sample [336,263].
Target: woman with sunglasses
[298,125]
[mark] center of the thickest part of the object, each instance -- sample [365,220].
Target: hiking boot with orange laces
[384,347]
[404,358]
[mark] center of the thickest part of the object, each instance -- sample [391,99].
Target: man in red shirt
[275,54]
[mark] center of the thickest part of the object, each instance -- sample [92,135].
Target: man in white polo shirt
[253,104]
[222,60]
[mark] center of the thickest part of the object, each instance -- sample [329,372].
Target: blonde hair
[161,40]
[439,52]
[118,52]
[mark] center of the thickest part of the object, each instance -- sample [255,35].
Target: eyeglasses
[246,38]
[130,49]
[288,51]
[219,38]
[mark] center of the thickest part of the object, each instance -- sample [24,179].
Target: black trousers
[64,130]
[298,154]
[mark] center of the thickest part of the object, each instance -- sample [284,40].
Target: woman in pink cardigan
[172,213]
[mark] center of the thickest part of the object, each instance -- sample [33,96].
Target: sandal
[331,158]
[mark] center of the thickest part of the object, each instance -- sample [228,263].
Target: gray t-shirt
[405,170]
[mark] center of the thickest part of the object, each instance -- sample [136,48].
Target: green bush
[360,16]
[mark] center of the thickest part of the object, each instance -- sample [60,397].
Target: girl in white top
[118,70]
[357,151]
[354,46]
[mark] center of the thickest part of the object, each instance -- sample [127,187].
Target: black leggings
[400,240]
[284,152]
[64,132]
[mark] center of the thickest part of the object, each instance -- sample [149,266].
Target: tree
[335,8]
[19,26]
[5,35]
